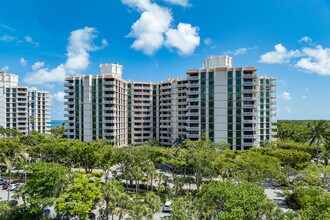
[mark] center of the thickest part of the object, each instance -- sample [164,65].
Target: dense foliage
[205,180]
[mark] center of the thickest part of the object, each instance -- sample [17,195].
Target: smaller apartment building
[224,103]
[21,108]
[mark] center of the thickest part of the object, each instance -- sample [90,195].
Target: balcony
[249,75]
[193,128]
[193,99]
[191,78]
[249,128]
[249,136]
[192,135]
[249,98]
[193,85]
[249,106]
[192,114]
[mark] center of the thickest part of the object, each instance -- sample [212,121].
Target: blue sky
[45,41]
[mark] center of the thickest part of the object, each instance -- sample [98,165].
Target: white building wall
[220,106]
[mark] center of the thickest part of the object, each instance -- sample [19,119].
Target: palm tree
[111,191]
[153,202]
[326,153]
[123,205]
[11,155]
[319,131]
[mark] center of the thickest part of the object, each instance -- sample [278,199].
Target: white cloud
[317,60]
[80,43]
[285,95]
[29,40]
[305,39]
[208,41]
[23,62]
[183,3]
[5,68]
[149,29]
[33,88]
[238,51]
[59,96]
[288,109]
[38,65]
[185,38]
[79,46]
[44,75]
[7,38]
[303,97]
[280,55]
[154,22]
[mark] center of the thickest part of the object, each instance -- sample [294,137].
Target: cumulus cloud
[29,40]
[46,75]
[305,39]
[38,65]
[183,3]
[154,22]
[285,95]
[59,96]
[78,48]
[279,55]
[149,29]
[185,38]
[317,60]
[7,38]
[80,43]
[23,62]
[310,59]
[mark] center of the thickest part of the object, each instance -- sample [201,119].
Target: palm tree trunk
[107,210]
[317,152]
[9,172]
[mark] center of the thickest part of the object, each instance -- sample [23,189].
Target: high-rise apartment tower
[219,101]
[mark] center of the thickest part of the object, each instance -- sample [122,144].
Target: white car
[167,206]
[12,187]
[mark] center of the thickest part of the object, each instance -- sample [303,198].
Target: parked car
[12,187]
[5,186]
[18,185]
[2,181]
[167,206]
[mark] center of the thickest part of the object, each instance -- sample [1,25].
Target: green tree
[225,200]
[107,160]
[182,209]
[311,202]
[80,197]
[255,167]
[11,154]
[111,192]
[225,164]
[45,183]
[202,154]
[88,154]
[152,201]
[315,175]
[123,205]
[319,131]
[58,131]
